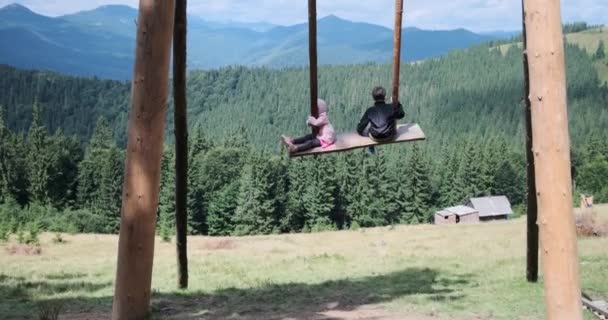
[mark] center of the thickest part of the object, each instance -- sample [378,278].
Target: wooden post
[142,167]
[312,54]
[545,47]
[397,49]
[532,210]
[181,141]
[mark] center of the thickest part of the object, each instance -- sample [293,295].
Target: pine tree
[366,202]
[256,211]
[510,182]
[600,54]
[319,194]
[100,177]
[166,208]
[294,218]
[385,185]
[471,171]
[38,159]
[486,173]
[279,189]
[452,186]
[222,209]
[64,154]
[197,205]
[17,169]
[5,135]
[419,195]
[110,188]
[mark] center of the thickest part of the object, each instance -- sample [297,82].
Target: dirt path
[368,312]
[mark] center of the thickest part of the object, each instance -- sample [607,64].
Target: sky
[476,15]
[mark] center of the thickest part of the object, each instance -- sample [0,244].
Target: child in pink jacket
[325,137]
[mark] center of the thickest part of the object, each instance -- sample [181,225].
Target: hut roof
[444,213]
[492,206]
[461,210]
[457,210]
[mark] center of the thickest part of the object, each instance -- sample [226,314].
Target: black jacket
[381,118]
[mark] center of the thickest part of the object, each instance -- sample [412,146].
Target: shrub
[165,233]
[21,236]
[519,210]
[322,226]
[39,214]
[355,226]
[33,233]
[49,310]
[10,212]
[5,231]
[78,221]
[30,234]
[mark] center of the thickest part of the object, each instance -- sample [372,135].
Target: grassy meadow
[588,40]
[405,272]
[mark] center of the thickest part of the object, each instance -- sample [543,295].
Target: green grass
[410,272]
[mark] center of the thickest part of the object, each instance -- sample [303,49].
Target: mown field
[406,272]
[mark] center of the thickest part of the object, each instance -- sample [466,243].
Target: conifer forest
[62,142]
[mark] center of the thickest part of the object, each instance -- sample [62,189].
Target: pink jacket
[326,134]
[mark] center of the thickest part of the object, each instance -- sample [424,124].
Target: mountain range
[100,42]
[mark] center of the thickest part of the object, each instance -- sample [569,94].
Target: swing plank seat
[352,140]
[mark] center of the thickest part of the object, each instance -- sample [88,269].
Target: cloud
[478,15]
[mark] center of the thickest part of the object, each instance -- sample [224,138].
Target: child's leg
[307,145]
[303,139]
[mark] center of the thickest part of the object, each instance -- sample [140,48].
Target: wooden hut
[457,215]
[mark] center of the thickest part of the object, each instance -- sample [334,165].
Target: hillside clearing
[408,272]
[588,40]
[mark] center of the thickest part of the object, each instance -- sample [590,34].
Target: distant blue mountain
[255,26]
[115,19]
[501,34]
[101,42]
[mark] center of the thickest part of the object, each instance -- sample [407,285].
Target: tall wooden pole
[142,167]
[532,227]
[397,49]
[312,54]
[552,158]
[181,141]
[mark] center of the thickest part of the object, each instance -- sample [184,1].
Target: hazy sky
[478,15]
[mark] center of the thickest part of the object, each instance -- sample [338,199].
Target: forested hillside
[469,103]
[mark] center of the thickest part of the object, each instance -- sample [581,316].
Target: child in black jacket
[381,118]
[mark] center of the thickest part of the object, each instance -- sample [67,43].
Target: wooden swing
[352,140]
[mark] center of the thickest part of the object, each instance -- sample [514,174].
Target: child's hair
[322,105]
[379,94]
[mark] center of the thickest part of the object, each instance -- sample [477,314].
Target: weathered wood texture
[532,208]
[397,49]
[312,54]
[352,140]
[143,159]
[545,48]
[181,141]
